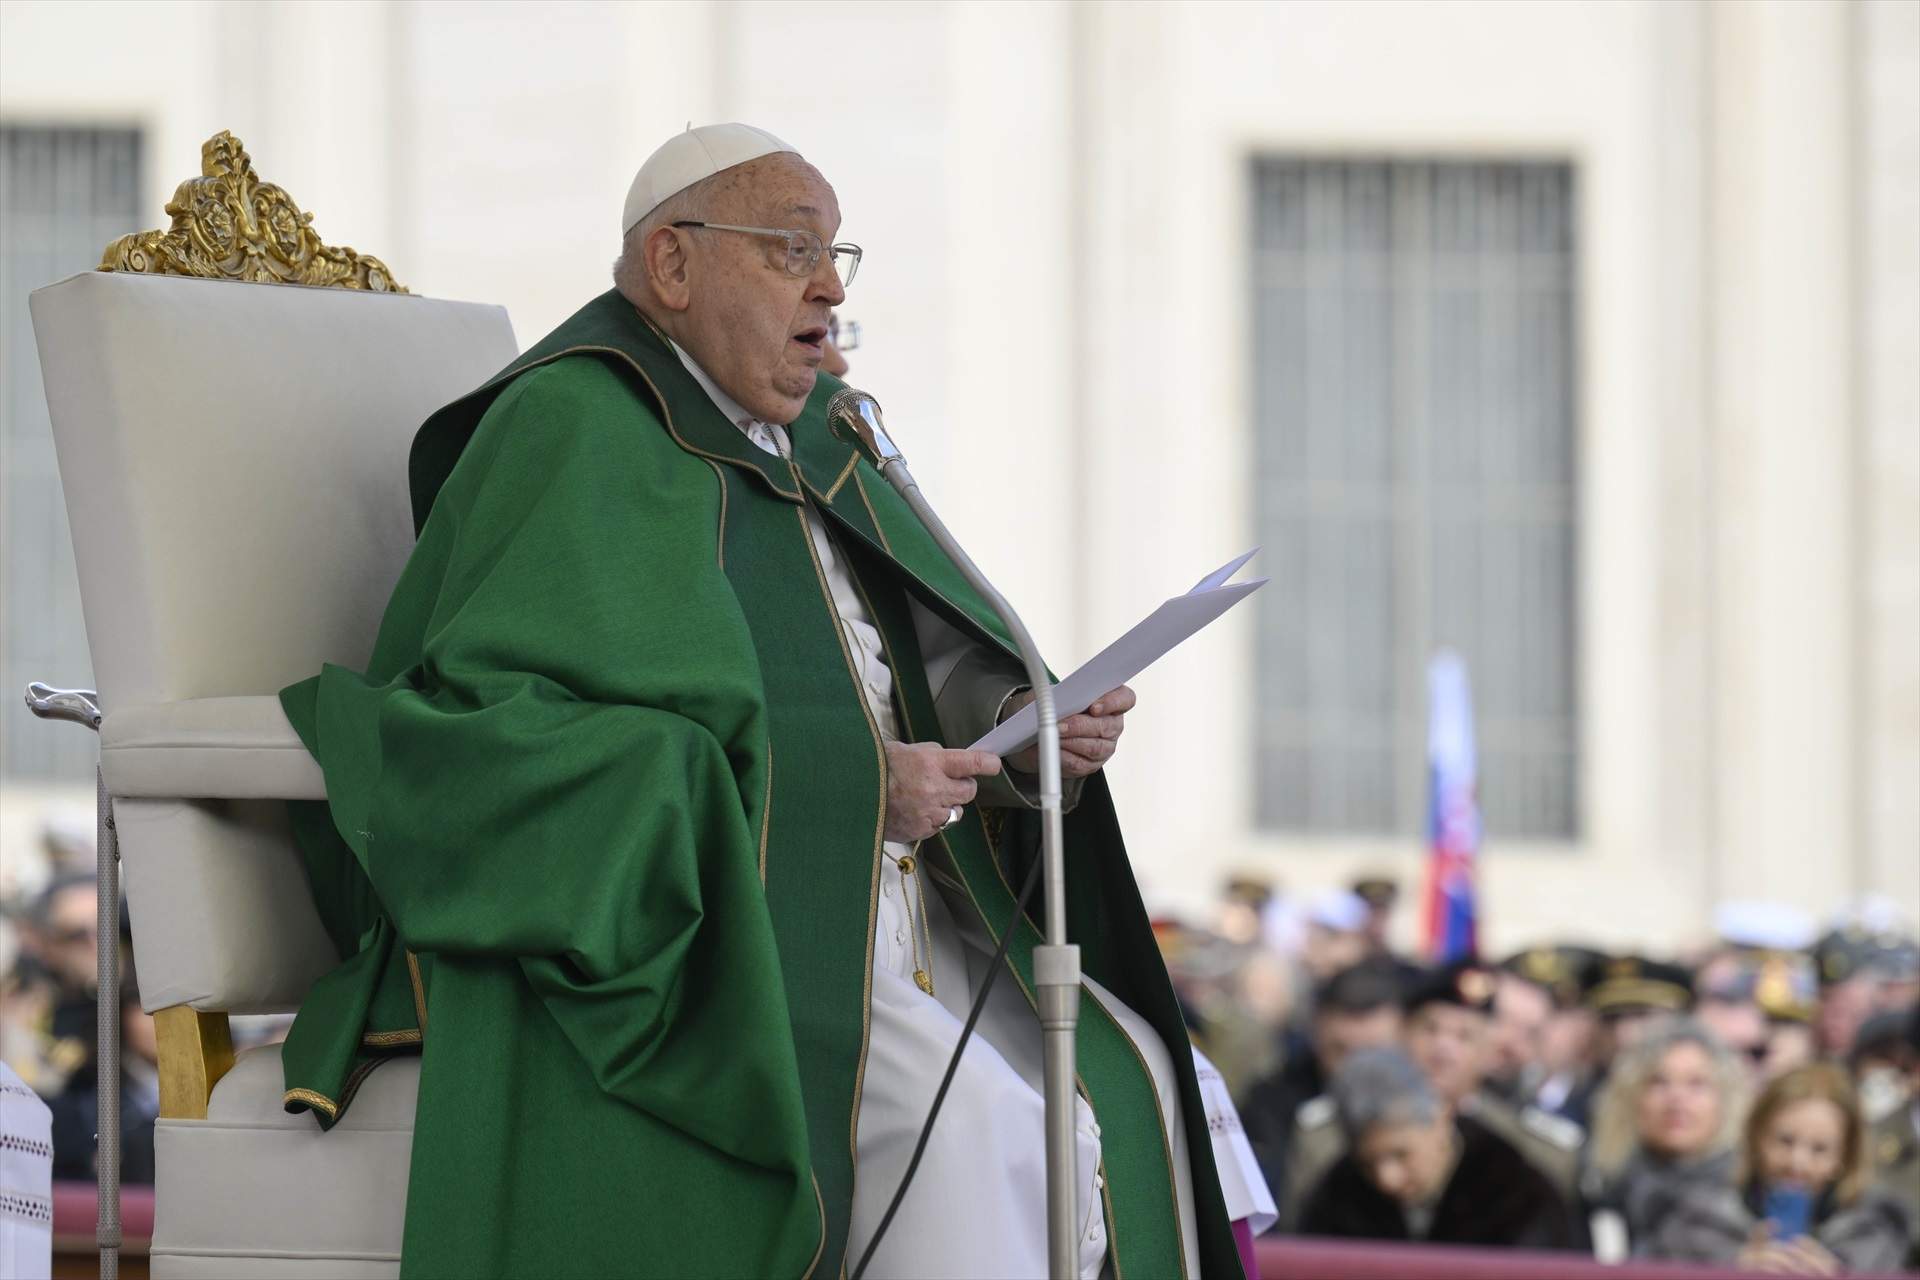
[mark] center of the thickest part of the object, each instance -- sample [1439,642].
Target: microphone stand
[1056,964]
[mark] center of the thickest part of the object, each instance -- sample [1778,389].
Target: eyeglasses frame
[787,234]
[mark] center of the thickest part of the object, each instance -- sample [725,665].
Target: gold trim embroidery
[845,471]
[666,414]
[318,1101]
[387,1039]
[820,1203]
[766,813]
[720,542]
[419,991]
[879,838]
[880,530]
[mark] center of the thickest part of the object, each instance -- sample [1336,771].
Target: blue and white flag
[1453,812]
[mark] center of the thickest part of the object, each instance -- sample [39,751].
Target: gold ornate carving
[229,225]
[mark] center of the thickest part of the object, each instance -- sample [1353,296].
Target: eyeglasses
[844,336]
[803,249]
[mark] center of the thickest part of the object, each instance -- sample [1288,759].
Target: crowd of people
[1756,1103]
[49,1025]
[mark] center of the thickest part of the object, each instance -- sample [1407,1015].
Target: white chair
[234,462]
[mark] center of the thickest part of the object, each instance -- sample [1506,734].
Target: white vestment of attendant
[977,1208]
[1242,1185]
[26,1180]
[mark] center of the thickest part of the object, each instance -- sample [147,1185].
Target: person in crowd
[1725,1004]
[1626,995]
[1448,1032]
[1417,1170]
[1381,893]
[1560,1082]
[842,336]
[1357,1008]
[1866,965]
[1878,1062]
[1787,993]
[76,1108]
[1522,1010]
[1802,1205]
[47,1025]
[1667,1121]
[1336,933]
[1894,1142]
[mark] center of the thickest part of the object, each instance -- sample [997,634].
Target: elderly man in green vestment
[651,826]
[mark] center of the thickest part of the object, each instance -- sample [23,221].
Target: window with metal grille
[1415,379]
[64,195]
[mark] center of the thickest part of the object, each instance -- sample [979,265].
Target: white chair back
[234,463]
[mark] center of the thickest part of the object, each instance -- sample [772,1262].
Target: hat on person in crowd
[1360,988]
[1379,892]
[1338,910]
[1468,986]
[1785,988]
[1626,985]
[1565,971]
[1764,926]
[1852,950]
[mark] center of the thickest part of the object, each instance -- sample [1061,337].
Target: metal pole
[107,1151]
[82,706]
[1056,965]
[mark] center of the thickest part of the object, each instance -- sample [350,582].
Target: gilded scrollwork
[229,225]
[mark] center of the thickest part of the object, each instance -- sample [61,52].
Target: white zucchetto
[687,158]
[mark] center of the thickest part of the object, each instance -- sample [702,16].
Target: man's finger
[962,792]
[1091,726]
[970,764]
[1115,702]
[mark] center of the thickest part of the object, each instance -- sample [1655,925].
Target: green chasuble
[602,843]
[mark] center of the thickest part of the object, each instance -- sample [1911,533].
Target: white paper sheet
[1155,635]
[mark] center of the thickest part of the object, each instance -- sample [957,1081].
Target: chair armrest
[208,748]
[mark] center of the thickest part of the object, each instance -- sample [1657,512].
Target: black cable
[953,1065]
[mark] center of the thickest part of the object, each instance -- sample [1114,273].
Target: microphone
[1056,965]
[861,414]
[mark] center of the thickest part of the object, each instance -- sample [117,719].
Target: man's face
[1328,951]
[1569,1041]
[68,942]
[1843,1007]
[1520,1013]
[1449,1044]
[1740,1025]
[1337,1034]
[1408,1163]
[757,329]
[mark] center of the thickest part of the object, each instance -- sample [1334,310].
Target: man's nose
[824,285]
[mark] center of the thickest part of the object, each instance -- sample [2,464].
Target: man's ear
[665,255]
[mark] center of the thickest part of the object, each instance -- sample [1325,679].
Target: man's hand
[925,781]
[1087,741]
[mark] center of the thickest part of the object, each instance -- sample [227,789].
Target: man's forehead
[788,187]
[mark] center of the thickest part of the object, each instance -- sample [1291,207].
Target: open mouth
[813,338]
